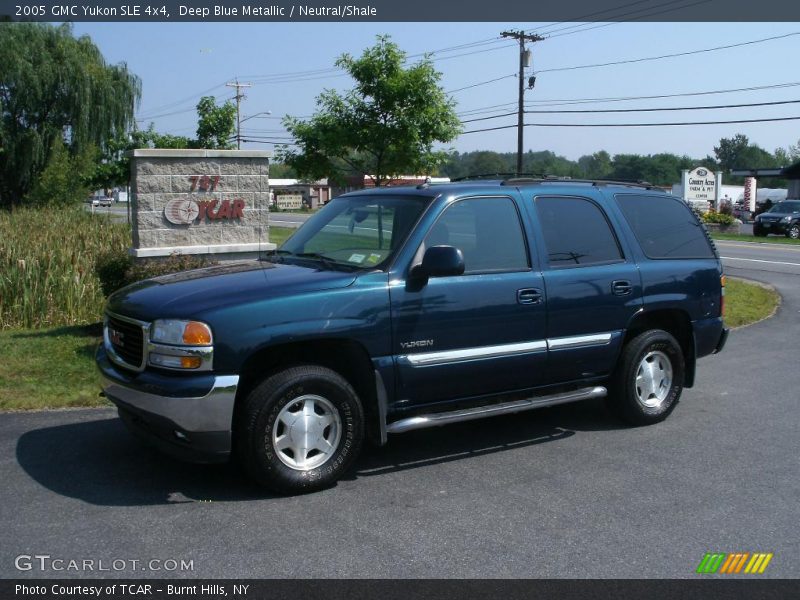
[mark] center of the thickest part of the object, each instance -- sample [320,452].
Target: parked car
[783,218]
[101,201]
[402,308]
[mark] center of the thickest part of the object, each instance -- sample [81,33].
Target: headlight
[787,219]
[180,333]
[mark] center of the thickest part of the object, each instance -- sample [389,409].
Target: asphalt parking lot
[562,492]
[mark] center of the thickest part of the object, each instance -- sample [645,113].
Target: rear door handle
[621,287]
[529,296]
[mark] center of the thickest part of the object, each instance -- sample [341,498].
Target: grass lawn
[54,368]
[49,368]
[278,235]
[770,239]
[747,303]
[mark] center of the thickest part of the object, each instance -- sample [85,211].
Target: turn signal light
[196,334]
[722,296]
[190,362]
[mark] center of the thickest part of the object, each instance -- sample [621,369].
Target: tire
[272,433]
[657,353]
[794,232]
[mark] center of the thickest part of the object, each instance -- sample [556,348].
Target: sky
[180,62]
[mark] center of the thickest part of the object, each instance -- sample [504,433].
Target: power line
[568,101]
[580,27]
[461,89]
[663,56]
[671,124]
[178,102]
[634,110]
[544,30]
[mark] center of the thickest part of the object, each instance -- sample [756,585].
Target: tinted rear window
[665,227]
[576,232]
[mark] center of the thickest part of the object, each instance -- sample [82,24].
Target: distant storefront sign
[701,186]
[289,201]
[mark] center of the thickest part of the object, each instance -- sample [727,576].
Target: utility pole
[239,97]
[521,37]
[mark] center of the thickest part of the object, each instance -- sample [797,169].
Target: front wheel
[301,429]
[649,379]
[794,232]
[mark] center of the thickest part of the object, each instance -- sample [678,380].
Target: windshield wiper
[325,260]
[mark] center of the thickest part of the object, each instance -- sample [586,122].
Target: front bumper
[187,416]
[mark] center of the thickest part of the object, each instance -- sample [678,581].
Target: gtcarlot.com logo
[732,563]
[46,562]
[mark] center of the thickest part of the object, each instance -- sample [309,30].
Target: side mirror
[440,261]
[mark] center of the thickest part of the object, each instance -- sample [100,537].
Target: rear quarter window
[664,226]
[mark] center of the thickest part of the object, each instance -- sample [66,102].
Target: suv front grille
[126,340]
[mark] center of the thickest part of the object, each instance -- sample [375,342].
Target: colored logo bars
[735,562]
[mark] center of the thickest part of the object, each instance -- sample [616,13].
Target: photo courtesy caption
[125,589]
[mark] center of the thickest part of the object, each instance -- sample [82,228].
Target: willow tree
[386,125]
[55,85]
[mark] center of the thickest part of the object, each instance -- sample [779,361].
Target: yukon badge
[416,344]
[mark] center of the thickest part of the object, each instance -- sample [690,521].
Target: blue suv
[401,308]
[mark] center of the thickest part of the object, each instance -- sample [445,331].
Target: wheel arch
[673,321]
[346,357]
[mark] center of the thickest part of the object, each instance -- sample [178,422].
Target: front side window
[576,232]
[486,230]
[664,226]
[356,231]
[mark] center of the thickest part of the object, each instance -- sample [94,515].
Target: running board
[505,408]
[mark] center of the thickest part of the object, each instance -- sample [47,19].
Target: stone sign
[200,202]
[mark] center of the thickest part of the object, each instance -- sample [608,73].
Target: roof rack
[522,178]
[595,182]
[503,176]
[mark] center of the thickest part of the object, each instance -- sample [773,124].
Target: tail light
[722,296]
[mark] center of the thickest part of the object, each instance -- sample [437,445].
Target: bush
[116,269]
[717,218]
[726,208]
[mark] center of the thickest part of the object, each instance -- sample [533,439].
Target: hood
[191,293]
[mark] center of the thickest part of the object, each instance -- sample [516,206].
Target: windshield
[785,207]
[360,232]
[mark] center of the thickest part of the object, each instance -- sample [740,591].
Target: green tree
[66,178]
[595,166]
[55,86]
[114,167]
[216,125]
[385,126]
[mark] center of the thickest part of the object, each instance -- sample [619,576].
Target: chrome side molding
[492,410]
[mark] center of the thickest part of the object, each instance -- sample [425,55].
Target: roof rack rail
[595,182]
[503,176]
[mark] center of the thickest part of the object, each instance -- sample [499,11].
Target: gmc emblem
[116,337]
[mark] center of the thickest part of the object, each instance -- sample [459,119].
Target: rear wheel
[301,429]
[649,380]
